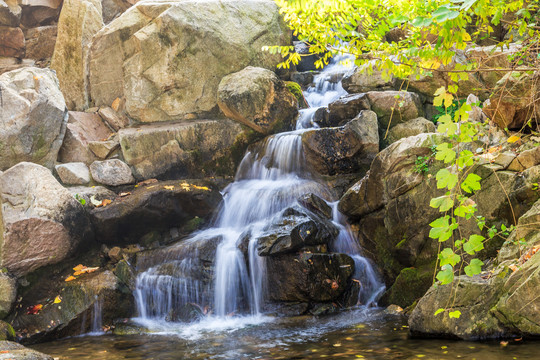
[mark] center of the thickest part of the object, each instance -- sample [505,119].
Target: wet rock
[185,149]
[161,205]
[358,81]
[305,78]
[73,315]
[40,42]
[73,173]
[42,223]
[165,51]
[345,149]
[10,13]
[346,108]
[293,230]
[8,293]
[113,119]
[394,310]
[410,128]
[187,313]
[257,98]
[78,22]
[6,333]
[308,277]
[395,107]
[82,129]
[15,351]
[289,309]
[12,42]
[307,61]
[410,284]
[515,100]
[111,172]
[34,117]
[316,205]
[324,309]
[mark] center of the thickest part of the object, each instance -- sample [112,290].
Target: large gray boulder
[166,58]
[188,149]
[256,97]
[41,222]
[113,172]
[33,117]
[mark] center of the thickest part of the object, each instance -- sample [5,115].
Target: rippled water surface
[350,335]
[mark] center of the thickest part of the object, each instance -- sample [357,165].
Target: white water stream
[267,182]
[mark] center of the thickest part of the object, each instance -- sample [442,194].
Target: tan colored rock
[104,149]
[79,21]
[40,42]
[111,172]
[256,97]
[395,107]
[73,173]
[82,129]
[525,160]
[8,293]
[41,222]
[409,128]
[11,42]
[53,4]
[358,81]
[113,119]
[186,149]
[156,55]
[33,117]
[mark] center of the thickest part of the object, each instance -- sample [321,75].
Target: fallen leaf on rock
[147,182]
[169,187]
[57,299]
[513,267]
[33,310]
[124,194]
[106,202]
[70,278]
[116,104]
[513,139]
[85,270]
[201,188]
[95,202]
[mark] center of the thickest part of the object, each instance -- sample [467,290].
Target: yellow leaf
[70,278]
[79,267]
[513,139]
[169,187]
[116,104]
[466,36]
[57,299]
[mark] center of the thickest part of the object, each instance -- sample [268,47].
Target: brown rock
[82,129]
[40,42]
[113,119]
[115,254]
[525,160]
[11,42]
[10,13]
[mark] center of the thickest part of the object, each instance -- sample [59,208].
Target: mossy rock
[410,285]
[295,89]
[6,331]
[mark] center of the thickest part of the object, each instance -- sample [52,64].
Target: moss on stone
[411,284]
[296,90]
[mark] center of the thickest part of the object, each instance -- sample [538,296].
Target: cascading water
[267,183]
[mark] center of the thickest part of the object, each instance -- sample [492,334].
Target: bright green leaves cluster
[442,228]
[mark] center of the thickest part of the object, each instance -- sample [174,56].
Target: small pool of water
[358,334]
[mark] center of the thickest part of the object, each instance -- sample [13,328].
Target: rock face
[33,117]
[154,207]
[346,108]
[12,42]
[410,128]
[162,70]
[79,21]
[257,98]
[73,173]
[186,149]
[395,107]
[42,223]
[10,13]
[358,81]
[112,172]
[345,149]
[40,42]
[515,100]
[308,277]
[8,293]
[82,129]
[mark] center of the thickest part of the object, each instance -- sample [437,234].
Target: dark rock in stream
[163,205]
[308,277]
[293,230]
[316,205]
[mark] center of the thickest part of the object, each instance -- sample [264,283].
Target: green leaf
[445,179]
[474,267]
[443,14]
[443,203]
[474,245]
[421,22]
[466,158]
[445,153]
[446,274]
[471,183]
[447,256]
[454,314]
[440,310]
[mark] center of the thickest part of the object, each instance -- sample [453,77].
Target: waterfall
[269,180]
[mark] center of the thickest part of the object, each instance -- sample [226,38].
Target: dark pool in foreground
[358,334]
